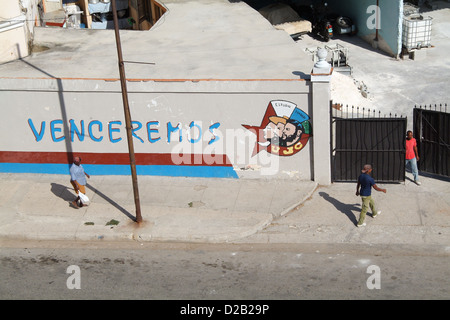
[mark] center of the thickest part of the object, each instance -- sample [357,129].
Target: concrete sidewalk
[173,209]
[36,207]
[411,215]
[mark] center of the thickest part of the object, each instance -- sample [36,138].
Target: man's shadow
[345,208]
[64,193]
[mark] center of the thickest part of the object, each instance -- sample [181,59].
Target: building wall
[201,128]
[363,14]
[14,44]
[204,128]
[16,29]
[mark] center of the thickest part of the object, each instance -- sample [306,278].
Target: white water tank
[416,31]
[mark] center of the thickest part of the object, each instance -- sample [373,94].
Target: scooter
[321,25]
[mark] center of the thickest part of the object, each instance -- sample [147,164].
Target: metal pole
[126,109]
[377,15]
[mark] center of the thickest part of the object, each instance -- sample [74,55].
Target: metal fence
[432,132]
[362,136]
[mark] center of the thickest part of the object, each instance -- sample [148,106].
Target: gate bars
[432,132]
[359,137]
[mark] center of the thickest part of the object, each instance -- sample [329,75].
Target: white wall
[50,116]
[16,28]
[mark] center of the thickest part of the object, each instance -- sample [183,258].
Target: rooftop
[202,39]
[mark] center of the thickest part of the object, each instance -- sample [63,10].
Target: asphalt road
[149,271]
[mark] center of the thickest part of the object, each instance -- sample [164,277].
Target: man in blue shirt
[366,182]
[78,180]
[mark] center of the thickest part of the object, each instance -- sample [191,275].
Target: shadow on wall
[69,149]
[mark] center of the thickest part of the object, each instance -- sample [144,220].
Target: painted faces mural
[285,129]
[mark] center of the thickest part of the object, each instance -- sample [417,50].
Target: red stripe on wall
[116,158]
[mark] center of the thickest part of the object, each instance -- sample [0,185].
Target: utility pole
[126,109]
[377,20]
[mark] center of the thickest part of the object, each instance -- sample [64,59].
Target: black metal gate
[360,137]
[432,132]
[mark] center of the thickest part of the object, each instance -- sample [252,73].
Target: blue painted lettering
[95,131]
[100,128]
[151,130]
[193,124]
[54,129]
[171,129]
[211,129]
[37,135]
[111,130]
[74,129]
[139,126]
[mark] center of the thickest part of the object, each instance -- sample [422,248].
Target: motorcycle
[320,24]
[342,25]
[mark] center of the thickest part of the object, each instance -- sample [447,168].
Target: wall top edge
[153,85]
[146,80]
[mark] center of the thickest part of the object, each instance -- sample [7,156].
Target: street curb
[305,198]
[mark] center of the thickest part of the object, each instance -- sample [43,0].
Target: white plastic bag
[84,198]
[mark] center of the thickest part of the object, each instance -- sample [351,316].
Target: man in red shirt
[412,155]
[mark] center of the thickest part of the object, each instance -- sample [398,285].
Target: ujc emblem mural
[285,129]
